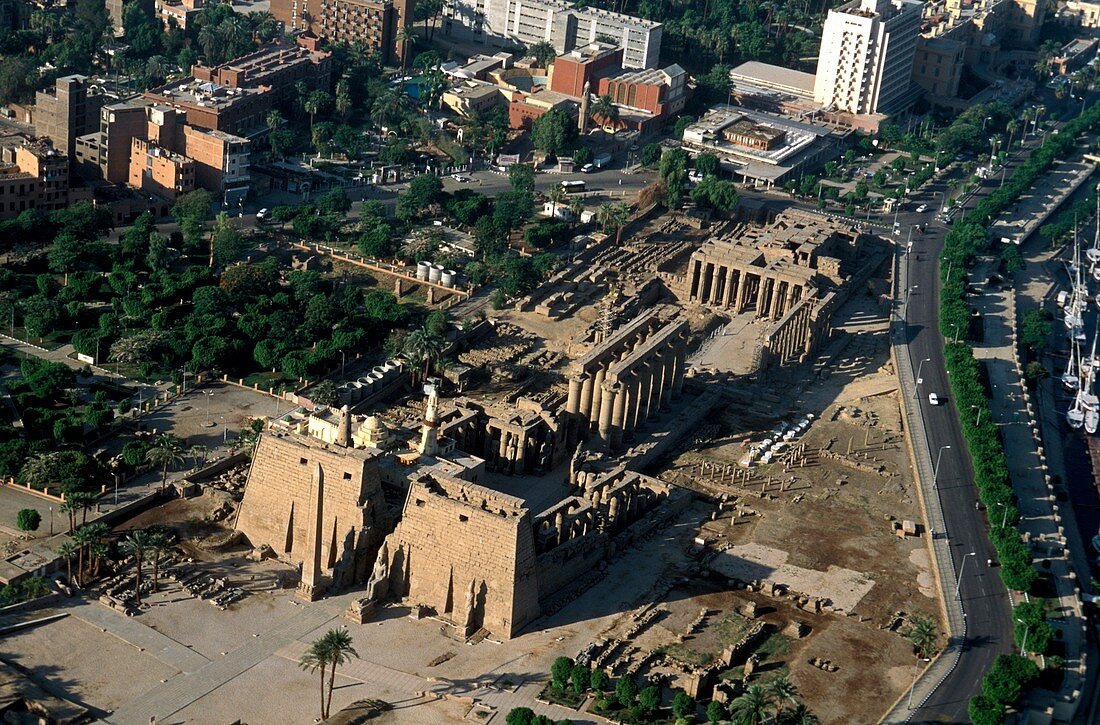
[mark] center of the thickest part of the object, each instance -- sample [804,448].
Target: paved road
[984,598]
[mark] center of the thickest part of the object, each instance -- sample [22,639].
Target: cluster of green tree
[774,701]
[554,132]
[527,716]
[56,41]
[972,129]
[52,411]
[1001,687]
[24,591]
[722,32]
[964,242]
[1035,330]
[323,219]
[28,519]
[1031,629]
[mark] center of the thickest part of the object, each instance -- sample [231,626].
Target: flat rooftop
[774,77]
[206,94]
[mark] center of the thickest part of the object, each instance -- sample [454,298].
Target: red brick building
[570,72]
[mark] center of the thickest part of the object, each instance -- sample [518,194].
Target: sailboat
[1090,365]
[1073,318]
[1094,253]
[1070,379]
[1091,405]
[1075,416]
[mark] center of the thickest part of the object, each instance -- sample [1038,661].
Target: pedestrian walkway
[183,689]
[144,638]
[1039,519]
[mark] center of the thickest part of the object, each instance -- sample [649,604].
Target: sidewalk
[1011,408]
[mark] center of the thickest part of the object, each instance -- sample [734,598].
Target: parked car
[588,168]
[933,399]
[261,215]
[460,178]
[922,208]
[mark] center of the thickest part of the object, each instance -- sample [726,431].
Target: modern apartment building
[504,23]
[105,154]
[33,175]
[69,109]
[235,97]
[156,170]
[374,23]
[180,13]
[865,64]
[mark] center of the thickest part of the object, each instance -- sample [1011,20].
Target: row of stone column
[793,339]
[725,287]
[651,386]
[585,400]
[508,451]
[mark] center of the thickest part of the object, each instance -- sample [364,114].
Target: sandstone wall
[277,508]
[453,533]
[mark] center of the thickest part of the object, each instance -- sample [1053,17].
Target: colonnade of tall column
[731,287]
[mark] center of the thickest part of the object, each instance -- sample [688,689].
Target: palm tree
[274,120]
[923,634]
[556,194]
[424,346]
[781,690]
[1010,129]
[800,715]
[389,108]
[313,104]
[343,97]
[752,706]
[83,500]
[165,453]
[605,110]
[543,53]
[613,216]
[158,545]
[576,208]
[70,506]
[405,36]
[208,40]
[264,26]
[333,649]
[66,551]
[137,545]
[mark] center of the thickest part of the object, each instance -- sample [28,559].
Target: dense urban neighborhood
[537,362]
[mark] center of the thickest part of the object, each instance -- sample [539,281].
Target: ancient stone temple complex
[793,272]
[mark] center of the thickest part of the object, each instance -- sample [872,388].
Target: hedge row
[967,239]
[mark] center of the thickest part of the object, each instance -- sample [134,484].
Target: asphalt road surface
[983,594]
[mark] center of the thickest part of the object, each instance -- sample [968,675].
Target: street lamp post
[225,431]
[978,419]
[962,566]
[209,421]
[1027,630]
[916,674]
[922,362]
[343,361]
[936,470]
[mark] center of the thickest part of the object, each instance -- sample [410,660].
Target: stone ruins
[494,507]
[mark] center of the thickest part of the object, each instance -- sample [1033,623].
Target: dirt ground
[820,516]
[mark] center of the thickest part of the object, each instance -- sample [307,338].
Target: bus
[573,187]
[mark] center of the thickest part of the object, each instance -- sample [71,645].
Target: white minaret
[429,428]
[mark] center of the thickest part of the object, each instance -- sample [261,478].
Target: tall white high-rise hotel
[865,64]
